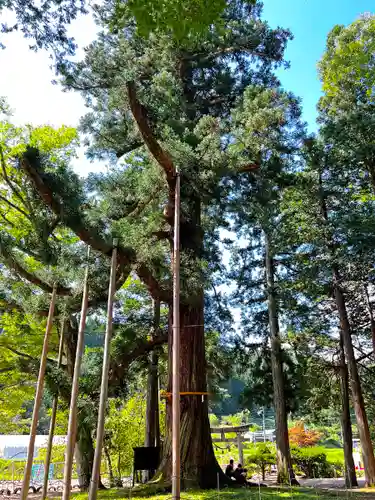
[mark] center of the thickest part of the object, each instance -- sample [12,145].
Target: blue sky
[310,22]
[25,76]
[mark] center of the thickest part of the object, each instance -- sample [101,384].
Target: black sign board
[146,458]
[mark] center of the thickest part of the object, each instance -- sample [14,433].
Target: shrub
[11,469]
[302,437]
[331,443]
[214,420]
[57,455]
[262,454]
[312,462]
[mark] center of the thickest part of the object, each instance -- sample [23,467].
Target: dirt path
[329,483]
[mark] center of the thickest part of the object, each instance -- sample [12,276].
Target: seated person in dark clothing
[239,474]
[229,469]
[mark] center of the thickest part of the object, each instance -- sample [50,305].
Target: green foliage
[239,418]
[262,455]
[347,68]
[214,420]
[21,337]
[312,462]
[57,456]
[183,19]
[12,470]
[126,429]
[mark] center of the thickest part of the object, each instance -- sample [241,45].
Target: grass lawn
[238,494]
[225,451]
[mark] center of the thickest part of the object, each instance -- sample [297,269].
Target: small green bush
[262,455]
[11,469]
[312,462]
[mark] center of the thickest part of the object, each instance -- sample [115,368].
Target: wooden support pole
[176,472]
[104,384]
[47,461]
[240,449]
[72,425]
[38,399]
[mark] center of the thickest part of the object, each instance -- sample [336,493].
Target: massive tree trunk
[199,467]
[355,383]
[285,473]
[152,409]
[347,435]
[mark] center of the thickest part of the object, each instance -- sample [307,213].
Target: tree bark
[355,383]
[84,452]
[285,473]
[152,437]
[112,483]
[357,396]
[371,316]
[199,467]
[347,435]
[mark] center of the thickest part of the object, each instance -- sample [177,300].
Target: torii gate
[238,430]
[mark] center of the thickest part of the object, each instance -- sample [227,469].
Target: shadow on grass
[156,493]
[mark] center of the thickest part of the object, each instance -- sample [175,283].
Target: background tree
[268,127]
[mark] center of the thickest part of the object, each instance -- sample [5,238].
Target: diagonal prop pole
[47,461]
[38,399]
[176,472]
[104,384]
[72,425]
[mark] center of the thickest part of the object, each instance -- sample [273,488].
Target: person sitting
[240,474]
[230,469]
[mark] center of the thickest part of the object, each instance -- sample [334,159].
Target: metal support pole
[104,384]
[72,425]
[176,472]
[38,399]
[53,418]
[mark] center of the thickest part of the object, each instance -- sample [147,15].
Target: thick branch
[13,188]
[152,284]
[162,235]
[24,355]
[127,256]
[364,356]
[8,305]
[143,204]
[161,156]
[12,205]
[19,353]
[131,147]
[101,296]
[6,370]
[120,365]
[224,51]
[6,220]
[250,167]
[31,278]
[29,163]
